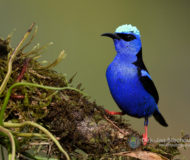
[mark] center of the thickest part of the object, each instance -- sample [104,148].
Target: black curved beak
[111,35]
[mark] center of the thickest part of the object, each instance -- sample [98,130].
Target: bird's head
[126,39]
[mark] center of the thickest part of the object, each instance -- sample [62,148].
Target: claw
[113,112]
[145,139]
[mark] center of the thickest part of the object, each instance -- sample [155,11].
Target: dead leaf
[142,155]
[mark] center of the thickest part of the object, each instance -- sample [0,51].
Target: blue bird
[129,81]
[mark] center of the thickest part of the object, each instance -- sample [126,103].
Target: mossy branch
[28,122]
[7,97]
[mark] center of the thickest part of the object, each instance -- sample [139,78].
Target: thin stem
[36,50]
[28,155]
[34,34]
[2,153]
[54,63]
[18,125]
[29,135]
[51,95]
[11,138]
[32,85]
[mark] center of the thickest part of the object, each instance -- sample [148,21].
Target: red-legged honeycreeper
[128,79]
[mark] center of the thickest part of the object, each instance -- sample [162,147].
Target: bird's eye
[126,37]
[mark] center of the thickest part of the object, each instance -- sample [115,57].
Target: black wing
[147,82]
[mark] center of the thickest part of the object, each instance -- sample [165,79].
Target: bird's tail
[157,115]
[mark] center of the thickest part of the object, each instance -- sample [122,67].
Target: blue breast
[127,90]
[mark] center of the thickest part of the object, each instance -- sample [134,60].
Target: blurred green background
[76,26]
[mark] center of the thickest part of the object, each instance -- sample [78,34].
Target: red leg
[113,112]
[145,135]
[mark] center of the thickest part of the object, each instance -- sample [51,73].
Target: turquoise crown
[126,28]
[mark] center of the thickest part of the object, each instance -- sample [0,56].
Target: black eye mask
[126,37]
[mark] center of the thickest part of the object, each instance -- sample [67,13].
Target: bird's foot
[145,139]
[113,112]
